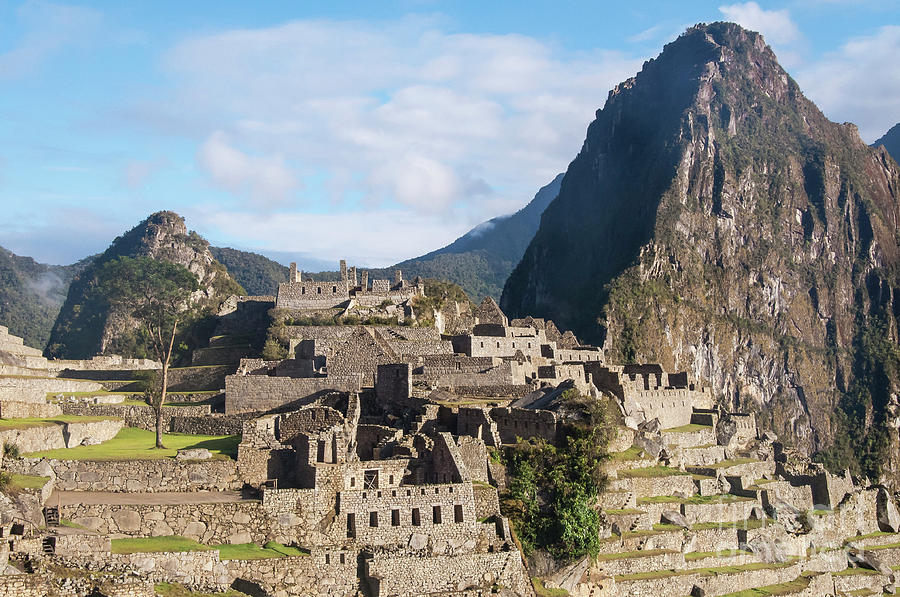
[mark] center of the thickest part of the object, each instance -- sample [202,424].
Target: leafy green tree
[157,295]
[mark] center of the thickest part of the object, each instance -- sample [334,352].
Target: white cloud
[775,25]
[368,238]
[392,114]
[860,82]
[136,173]
[268,180]
[48,28]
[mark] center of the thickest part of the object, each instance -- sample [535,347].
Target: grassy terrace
[785,588]
[649,472]
[725,498]
[640,553]
[541,591]
[632,453]
[732,462]
[704,571]
[50,422]
[175,543]
[17,481]
[165,589]
[138,444]
[689,428]
[725,553]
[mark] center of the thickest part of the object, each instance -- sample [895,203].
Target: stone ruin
[369,449]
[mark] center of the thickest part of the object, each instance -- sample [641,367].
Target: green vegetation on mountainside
[258,275]
[86,324]
[891,142]
[31,295]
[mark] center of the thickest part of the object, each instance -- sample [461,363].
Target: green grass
[725,553]
[784,588]
[167,543]
[252,551]
[165,589]
[632,453]
[689,428]
[175,543]
[870,536]
[138,444]
[30,422]
[542,591]
[623,511]
[725,498]
[640,553]
[703,571]
[17,481]
[749,524]
[732,462]
[649,472]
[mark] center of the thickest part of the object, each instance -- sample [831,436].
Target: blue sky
[374,131]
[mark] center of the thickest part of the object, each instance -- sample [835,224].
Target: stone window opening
[318,290]
[343,558]
[450,489]
[378,494]
[303,291]
[327,558]
[393,493]
[458,513]
[395,518]
[416,517]
[333,289]
[436,514]
[408,492]
[352,481]
[351,525]
[436,490]
[370,479]
[373,519]
[391,480]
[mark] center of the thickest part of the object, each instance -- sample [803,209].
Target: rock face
[716,221]
[891,142]
[87,326]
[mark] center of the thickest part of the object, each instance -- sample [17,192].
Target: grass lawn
[632,453]
[650,471]
[137,444]
[17,481]
[690,427]
[30,422]
[174,543]
[724,498]
[165,589]
[156,544]
[542,591]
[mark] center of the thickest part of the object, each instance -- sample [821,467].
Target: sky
[371,131]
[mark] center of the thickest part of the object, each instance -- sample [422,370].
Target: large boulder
[867,559]
[674,517]
[767,549]
[888,515]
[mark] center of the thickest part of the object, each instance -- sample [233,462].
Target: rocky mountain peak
[716,221]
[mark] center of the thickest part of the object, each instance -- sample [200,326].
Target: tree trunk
[165,386]
[159,405]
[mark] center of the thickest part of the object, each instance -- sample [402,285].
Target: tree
[157,295]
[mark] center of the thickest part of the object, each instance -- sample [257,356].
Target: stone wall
[11,409]
[392,516]
[332,573]
[35,389]
[258,393]
[406,576]
[22,585]
[487,502]
[522,422]
[474,456]
[214,523]
[138,415]
[199,379]
[62,435]
[198,570]
[165,474]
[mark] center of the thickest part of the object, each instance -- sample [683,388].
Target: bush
[553,489]
[273,350]
[11,451]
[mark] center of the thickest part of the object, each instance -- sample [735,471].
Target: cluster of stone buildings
[373,449]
